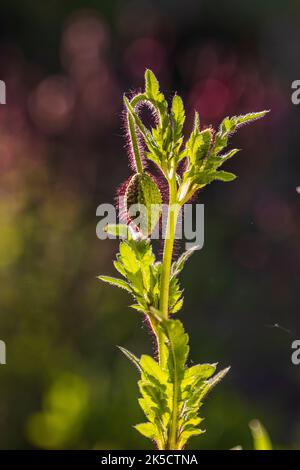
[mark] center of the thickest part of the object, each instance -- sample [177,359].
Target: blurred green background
[62,153]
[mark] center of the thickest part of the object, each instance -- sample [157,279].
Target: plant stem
[172,440]
[173,211]
[135,144]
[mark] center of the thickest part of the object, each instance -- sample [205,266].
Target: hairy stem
[135,144]
[172,439]
[173,212]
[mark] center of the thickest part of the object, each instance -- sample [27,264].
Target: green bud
[143,196]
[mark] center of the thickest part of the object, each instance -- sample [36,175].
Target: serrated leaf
[116,282]
[178,265]
[131,357]
[196,128]
[151,85]
[230,125]
[178,115]
[198,145]
[246,118]
[175,293]
[178,110]
[120,268]
[151,368]
[178,349]
[128,258]
[143,251]
[197,373]
[119,230]
[147,430]
[206,138]
[156,396]
[227,125]
[226,156]
[211,383]
[136,262]
[178,346]
[192,146]
[186,435]
[138,308]
[177,307]
[225,176]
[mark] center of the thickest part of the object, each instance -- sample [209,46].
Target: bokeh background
[62,153]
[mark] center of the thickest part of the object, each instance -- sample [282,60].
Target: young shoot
[172,392]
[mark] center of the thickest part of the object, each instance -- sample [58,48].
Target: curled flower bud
[143,202]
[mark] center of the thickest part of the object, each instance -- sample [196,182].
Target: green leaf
[128,258]
[138,308]
[260,436]
[147,430]
[196,128]
[194,142]
[227,125]
[156,398]
[178,352]
[197,382]
[230,125]
[136,262]
[178,115]
[116,282]
[151,368]
[223,158]
[131,357]
[206,138]
[178,265]
[225,176]
[119,230]
[193,384]
[151,200]
[185,435]
[246,118]
[198,145]
[211,383]
[175,294]
[197,373]
[177,306]
[155,313]
[120,268]
[151,85]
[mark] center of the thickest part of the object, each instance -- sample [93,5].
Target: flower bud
[143,202]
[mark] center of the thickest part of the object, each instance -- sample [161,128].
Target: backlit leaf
[116,282]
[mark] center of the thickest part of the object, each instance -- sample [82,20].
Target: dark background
[62,153]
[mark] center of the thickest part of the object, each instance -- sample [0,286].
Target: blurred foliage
[260,436]
[66,65]
[60,422]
